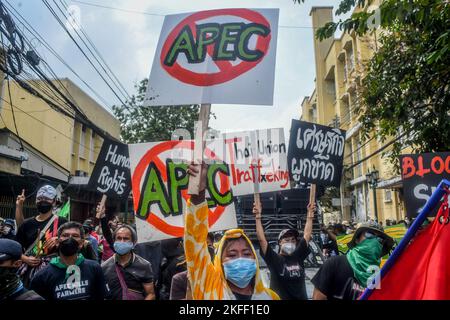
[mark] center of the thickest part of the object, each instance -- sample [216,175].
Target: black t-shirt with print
[136,273]
[28,231]
[335,280]
[287,273]
[52,283]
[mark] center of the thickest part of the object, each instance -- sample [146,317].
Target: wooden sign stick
[199,144]
[256,189]
[312,193]
[103,201]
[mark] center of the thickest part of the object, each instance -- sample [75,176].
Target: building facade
[340,67]
[44,146]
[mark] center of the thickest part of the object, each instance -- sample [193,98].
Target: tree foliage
[408,78]
[145,124]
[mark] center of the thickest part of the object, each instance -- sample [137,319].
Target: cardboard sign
[421,174]
[256,157]
[111,174]
[224,56]
[316,153]
[160,190]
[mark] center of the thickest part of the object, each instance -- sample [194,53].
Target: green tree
[145,124]
[406,88]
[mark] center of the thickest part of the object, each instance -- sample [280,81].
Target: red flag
[422,272]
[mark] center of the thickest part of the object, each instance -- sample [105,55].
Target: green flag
[65,211]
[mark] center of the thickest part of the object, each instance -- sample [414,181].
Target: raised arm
[307,233]
[19,208]
[257,209]
[100,215]
[201,272]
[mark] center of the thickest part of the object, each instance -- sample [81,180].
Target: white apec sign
[224,56]
[159,186]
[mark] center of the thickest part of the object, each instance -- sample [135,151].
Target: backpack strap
[123,284]
[41,234]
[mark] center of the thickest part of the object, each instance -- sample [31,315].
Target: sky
[128,40]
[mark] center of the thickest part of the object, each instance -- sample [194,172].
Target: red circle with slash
[153,156]
[227,70]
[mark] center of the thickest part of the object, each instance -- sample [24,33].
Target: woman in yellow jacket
[235,274]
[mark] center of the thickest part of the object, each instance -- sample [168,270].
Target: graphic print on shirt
[292,271]
[73,287]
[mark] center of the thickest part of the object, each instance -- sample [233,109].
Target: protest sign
[111,175]
[256,157]
[224,56]
[421,174]
[160,190]
[316,153]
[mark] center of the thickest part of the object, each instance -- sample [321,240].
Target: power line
[82,51]
[97,51]
[68,109]
[42,40]
[47,125]
[116,82]
[161,15]
[379,150]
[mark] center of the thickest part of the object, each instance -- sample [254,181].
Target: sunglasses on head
[234,233]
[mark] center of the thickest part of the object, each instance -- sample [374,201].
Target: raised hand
[20,199]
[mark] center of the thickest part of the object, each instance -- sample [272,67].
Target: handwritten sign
[256,157]
[111,174]
[421,174]
[160,190]
[216,56]
[316,153]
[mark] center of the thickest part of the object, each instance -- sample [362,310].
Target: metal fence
[8,208]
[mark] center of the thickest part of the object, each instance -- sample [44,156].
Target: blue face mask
[240,271]
[123,248]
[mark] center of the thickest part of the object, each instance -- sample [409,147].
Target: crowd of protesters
[50,258]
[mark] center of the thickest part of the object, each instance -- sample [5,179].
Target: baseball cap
[10,250]
[287,233]
[46,191]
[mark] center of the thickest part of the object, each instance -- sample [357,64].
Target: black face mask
[68,247]
[44,207]
[9,281]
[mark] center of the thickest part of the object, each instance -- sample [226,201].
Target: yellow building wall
[53,134]
[38,124]
[342,62]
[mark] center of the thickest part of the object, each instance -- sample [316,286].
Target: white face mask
[288,248]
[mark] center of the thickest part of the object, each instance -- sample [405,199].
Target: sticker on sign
[224,56]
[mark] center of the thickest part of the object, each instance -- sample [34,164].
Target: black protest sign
[316,153]
[111,174]
[421,174]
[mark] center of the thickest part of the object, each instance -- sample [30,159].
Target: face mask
[44,207]
[6,272]
[9,281]
[68,247]
[240,271]
[123,248]
[288,248]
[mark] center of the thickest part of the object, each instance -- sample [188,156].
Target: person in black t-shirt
[70,276]
[38,252]
[345,277]
[287,273]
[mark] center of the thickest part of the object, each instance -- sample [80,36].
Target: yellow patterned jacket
[207,279]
